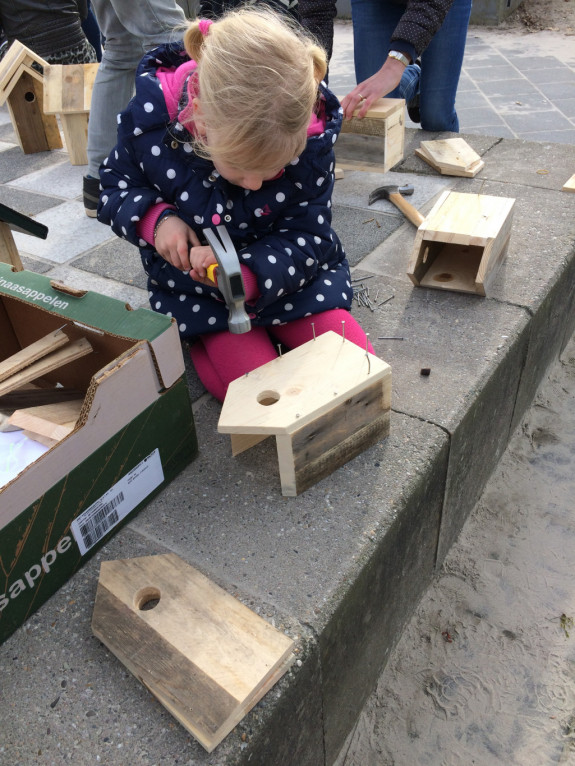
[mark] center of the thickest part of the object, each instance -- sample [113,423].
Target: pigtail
[319,62]
[194,40]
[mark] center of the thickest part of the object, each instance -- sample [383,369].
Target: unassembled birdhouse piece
[325,402]
[462,243]
[21,84]
[451,157]
[203,654]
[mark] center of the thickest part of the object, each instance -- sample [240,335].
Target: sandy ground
[484,674]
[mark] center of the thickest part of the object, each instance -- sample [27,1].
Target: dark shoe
[413,110]
[91,190]
[413,105]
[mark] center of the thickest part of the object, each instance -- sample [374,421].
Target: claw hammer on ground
[396,194]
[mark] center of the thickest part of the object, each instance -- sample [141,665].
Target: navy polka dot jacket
[282,232]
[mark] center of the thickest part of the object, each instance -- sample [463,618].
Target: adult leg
[130,29]
[373,25]
[440,70]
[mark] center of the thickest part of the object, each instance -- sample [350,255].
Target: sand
[484,674]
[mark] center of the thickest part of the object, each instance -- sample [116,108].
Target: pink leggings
[222,357]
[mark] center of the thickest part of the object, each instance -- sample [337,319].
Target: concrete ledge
[342,567]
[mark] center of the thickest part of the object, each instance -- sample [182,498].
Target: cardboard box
[135,433]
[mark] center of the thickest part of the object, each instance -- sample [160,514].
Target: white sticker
[97,520]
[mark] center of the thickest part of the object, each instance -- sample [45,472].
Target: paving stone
[70,232]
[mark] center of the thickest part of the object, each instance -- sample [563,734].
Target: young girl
[234,127]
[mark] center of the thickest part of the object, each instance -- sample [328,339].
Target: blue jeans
[130,28]
[374,22]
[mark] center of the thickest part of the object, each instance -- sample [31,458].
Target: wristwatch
[400,57]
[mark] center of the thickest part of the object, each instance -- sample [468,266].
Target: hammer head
[383,192]
[230,282]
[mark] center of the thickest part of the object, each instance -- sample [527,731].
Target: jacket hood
[147,110]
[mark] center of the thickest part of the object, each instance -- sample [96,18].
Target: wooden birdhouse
[68,94]
[325,402]
[384,119]
[21,85]
[11,220]
[203,654]
[462,242]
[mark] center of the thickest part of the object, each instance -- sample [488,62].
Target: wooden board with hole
[203,654]
[569,186]
[462,242]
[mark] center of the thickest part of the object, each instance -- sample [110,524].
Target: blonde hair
[258,77]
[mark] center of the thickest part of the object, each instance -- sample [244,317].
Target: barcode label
[97,520]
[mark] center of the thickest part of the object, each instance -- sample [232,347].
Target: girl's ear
[199,121]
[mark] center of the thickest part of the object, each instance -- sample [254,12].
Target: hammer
[394,195]
[230,282]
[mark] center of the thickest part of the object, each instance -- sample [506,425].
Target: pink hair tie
[204,26]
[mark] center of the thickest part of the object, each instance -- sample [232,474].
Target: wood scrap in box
[451,157]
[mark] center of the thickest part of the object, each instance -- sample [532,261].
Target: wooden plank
[55,421]
[32,353]
[203,654]
[8,250]
[242,442]
[68,88]
[45,440]
[75,129]
[569,186]
[47,364]
[321,447]
[32,396]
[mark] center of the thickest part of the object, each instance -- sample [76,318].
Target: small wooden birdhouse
[68,93]
[462,242]
[21,85]
[385,119]
[325,402]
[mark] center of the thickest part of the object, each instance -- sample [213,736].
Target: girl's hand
[376,86]
[201,256]
[173,242]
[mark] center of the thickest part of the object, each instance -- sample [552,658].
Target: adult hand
[376,86]
[173,241]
